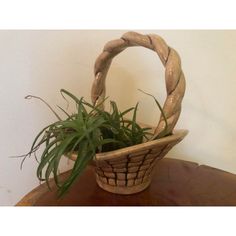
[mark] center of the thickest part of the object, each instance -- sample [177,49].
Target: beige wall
[42,62]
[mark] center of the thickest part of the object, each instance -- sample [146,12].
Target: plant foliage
[88,131]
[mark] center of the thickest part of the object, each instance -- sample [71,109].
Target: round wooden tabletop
[175,183]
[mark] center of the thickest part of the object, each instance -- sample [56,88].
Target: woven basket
[129,170]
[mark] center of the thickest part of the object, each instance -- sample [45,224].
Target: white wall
[42,62]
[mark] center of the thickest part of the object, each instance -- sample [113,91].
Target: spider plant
[86,132]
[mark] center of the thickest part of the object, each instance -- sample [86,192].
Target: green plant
[88,131]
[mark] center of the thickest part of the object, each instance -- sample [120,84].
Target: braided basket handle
[174,77]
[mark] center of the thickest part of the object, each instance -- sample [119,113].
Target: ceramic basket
[129,170]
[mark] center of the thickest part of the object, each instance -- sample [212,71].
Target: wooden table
[175,183]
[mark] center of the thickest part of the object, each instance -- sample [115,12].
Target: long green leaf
[165,132]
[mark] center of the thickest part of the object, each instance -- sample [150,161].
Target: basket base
[125,190]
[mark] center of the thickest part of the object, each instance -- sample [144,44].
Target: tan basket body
[129,170]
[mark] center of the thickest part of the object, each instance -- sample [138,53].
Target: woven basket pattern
[127,170]
[132,169]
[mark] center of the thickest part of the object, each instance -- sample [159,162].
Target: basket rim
[177,134]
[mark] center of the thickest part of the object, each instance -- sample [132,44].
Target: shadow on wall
[120,87]
[210,128]
[137,68]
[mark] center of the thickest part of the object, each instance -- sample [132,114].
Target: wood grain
[175,183]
